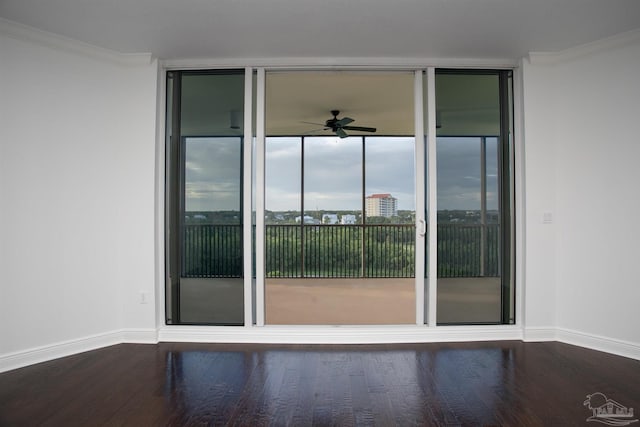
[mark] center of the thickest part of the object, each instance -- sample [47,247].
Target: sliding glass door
[356,218]
[205,199]
[474,201]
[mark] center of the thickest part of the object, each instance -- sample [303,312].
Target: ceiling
[337,30]
[171,29]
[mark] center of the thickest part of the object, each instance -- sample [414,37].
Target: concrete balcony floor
[377,301]
[341,301]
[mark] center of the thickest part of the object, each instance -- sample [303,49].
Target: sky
[333,173]
[212,174]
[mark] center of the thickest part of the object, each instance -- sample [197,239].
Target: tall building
[382,205]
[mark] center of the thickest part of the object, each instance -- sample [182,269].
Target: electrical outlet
[144,297]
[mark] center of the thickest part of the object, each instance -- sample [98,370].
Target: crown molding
[576,52]
[23,32]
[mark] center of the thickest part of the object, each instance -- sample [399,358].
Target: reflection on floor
[504,383]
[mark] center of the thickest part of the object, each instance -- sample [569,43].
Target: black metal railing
[330,251]
[376,250]
[339,250]
[389,250]
[468,250]
[212,250]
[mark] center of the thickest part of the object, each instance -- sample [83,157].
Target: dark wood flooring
[170,384]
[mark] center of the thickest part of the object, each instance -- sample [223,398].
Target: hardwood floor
[497,383]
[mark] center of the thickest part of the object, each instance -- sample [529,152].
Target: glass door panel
[211,288]
[205,198]
[330,266]
[473,208]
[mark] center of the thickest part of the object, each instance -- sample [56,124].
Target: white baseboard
[45,353]
[539,334]
[600,343]
[61,349]
[338,334]
[139,336]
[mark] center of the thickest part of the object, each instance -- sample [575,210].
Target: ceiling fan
[339,126]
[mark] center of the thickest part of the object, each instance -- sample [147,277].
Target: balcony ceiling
[299,102]
[172,29]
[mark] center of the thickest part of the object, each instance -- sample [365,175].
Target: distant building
[308,220]
[329,219]
[381,205]
[348,219]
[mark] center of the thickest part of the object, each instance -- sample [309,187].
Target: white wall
[77,164]
[539,196]
[582,113]
[77,152]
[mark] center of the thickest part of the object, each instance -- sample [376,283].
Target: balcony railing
[340,250]
[371,251]
[212,250]
[468,250]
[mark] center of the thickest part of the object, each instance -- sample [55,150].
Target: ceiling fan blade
[341,133]
[313,132]
[344,121]
[317,124]
[359,128]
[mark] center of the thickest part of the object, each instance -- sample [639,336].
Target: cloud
[333,172]
[212,174]
[458,165]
